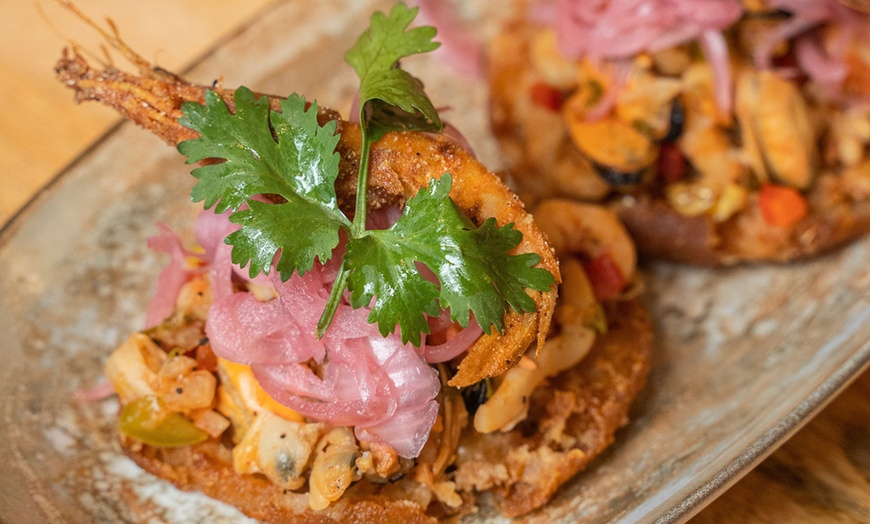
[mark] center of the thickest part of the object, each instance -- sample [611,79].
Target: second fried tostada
[721,131]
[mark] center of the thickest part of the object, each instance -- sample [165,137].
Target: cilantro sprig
[301,166]
[288,154]
[391,99]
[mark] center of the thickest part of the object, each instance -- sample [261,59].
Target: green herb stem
[362,184]
[332,302]
[358,229]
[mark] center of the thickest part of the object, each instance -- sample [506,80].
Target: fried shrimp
[401,164]
[578,232]
[577,229]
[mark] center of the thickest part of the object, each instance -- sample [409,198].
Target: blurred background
[41,129]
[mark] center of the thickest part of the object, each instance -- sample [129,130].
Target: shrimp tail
[152,99]
[152,102]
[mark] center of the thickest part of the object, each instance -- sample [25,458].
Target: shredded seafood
[351,377]
[774,93]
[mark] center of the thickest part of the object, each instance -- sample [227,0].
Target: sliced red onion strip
[828,70]
[609,29]
[171,278]
[716,51]
[454,135]
[763,52]
[244,330]
[453,347]
[343,413]
[405,428]
[619,71]
[100,391]
[824,64]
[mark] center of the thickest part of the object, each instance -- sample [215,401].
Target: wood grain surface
[822,474]
[41,130]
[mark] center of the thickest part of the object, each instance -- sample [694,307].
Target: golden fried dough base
[834,220]
[573,421]
[208,467]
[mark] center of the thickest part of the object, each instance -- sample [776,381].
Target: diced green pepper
[147,419]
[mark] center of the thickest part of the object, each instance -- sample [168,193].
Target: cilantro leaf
[276,171]
[299,163]
[239,139]
[380,268]
[302,232]
[475,271]
[391,99]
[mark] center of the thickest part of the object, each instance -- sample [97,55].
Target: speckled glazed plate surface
[743,356]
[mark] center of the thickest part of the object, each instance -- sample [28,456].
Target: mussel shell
[475,395]
[678,121]
[618,178]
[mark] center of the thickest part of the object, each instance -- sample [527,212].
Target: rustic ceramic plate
[743,356]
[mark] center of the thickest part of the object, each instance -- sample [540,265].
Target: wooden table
[821,475]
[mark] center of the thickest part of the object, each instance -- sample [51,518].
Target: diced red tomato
[547,96]
[785,61]
[671,162]
[604,275]
[205,358]
[781,206]
[789,62]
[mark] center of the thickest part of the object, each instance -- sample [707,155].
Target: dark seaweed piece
[770,14]
[475,395]
[678,121]
[616,177]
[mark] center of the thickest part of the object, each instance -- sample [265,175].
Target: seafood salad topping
[745,122]
[333,313]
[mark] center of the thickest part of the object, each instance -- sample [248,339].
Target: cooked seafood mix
[721,130]
[262,383]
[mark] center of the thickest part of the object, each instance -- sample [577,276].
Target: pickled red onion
[100,391]
[460,48]
[608,29]
[827,69]
[382,387]
[366,379]
[716,50]
[825,64]
[171,278]
[616,30]
[619,71]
